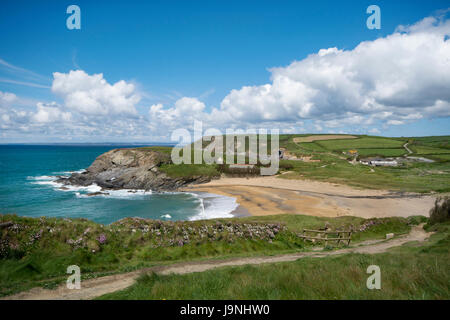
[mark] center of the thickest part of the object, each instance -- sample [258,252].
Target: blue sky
[202,50]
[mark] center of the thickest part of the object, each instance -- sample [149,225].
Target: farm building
[384,162]
[379,162]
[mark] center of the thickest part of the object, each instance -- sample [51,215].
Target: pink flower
[102,238]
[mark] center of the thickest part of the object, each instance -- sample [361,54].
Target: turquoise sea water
[27,187]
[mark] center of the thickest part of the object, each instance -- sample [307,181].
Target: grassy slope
[25,263]
[407,272]
[190,170]
[184,170]
[362,142]
[413,177]
[416,177]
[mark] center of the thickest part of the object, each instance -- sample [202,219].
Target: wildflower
[102,238]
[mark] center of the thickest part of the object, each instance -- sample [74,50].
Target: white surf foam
[118,194]
[212,206]
[68,173]
[83,191]
[42,178]
[46,180]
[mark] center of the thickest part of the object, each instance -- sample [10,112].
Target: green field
[407,272]
[414,177]
[362,142]
[433,141]
[381,152]
[335,167]
[440,157]
[425,150]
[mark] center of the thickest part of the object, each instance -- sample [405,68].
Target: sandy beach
[272,195]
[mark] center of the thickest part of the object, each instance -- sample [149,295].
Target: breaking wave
[209,206]
[213,206]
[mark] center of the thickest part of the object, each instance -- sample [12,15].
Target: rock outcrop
[131,169]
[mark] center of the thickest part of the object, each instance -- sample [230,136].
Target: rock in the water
[93,194]
[131,169]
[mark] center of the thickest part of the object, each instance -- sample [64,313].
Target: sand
[261,196]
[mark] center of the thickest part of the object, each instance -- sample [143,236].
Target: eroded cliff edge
[137,168]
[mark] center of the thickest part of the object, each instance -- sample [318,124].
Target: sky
[138,70]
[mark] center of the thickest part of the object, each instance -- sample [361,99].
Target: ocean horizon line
[89,143]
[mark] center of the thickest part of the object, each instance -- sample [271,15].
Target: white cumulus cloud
[50,113]
[93,95]
[390,81]
[407,72]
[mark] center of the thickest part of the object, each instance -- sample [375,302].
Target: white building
[383,162]
[379,162]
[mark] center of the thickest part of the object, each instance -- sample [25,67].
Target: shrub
[244,171]
[416,220]
[441,210]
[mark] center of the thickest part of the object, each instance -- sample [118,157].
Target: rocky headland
[132,169]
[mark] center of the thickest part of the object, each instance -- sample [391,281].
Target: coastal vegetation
[408,272]
[441,210]
[412,271]
[334,166]
[190,170]
[410,177]
[37,251]
[327,161]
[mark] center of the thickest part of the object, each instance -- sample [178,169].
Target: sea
[28,188]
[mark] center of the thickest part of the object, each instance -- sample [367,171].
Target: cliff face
[130,169]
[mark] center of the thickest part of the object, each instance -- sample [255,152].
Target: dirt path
[96,287]
[406,148]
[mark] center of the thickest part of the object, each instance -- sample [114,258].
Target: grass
[381,152]
[165,150]
[439,157]
[361,142]
[408,272]
[432,141]
[413,177]
[333,167]
[190,170]
[30,257]
[425,150]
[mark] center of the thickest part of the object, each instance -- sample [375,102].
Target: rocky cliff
[131,169]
